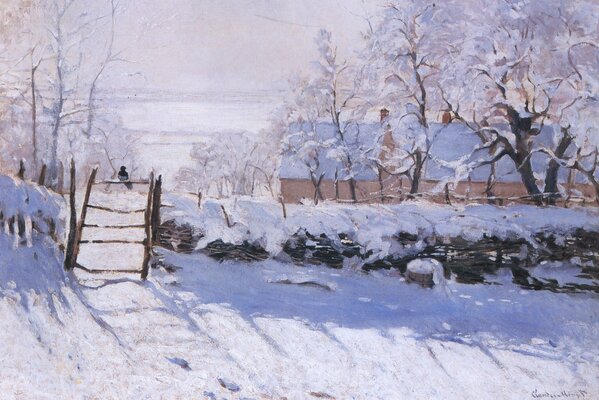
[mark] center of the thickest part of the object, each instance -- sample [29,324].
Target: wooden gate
[150,223]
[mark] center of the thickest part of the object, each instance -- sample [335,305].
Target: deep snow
[369,337]
[271,329]
[373,226]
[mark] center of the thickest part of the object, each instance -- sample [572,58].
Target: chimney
[446,119]
[384,114]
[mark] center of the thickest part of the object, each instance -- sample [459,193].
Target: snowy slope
[35,203]
[365,337]
[268,330]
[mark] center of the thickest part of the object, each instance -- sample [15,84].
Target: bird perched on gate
[123,174]
[124,177]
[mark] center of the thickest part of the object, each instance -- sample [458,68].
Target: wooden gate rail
[141,182]
[114,226]
[109,271]
[97,207]
[112,241]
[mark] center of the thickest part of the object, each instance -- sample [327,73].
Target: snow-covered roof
[450,143]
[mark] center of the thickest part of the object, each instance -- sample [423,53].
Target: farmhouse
[452,145]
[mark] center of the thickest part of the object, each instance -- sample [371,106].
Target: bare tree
[69,45]
[405,52]
[521,74]
[297,121]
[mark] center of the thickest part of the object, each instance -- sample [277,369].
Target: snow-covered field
[372,226]
[347,335]
[269,329]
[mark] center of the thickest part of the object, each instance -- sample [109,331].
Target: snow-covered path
[271,330]
[115,256]
[371,337]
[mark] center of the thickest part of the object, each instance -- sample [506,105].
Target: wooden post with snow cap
[282,201]
[68,257]
[156,200]
[148,225]
[79,230]
[20,231]
[227,220]
[447,198]
[21,173]
[42,178]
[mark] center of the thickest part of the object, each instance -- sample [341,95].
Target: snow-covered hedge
[31,202]
[375,227]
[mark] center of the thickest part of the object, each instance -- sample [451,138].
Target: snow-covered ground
[270,329]
[372,226]
[277,330]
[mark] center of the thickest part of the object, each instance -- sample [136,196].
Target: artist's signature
[563,394]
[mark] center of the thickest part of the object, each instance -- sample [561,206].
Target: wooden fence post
[156,200]
[21,227]
[447,199]
[199,199]
[227,220]
[148,225]
[11,225]
[42,178]
[282,201]
[79,231]
[68,258]
[469,188]
[21,173]
[336,184]
[60,183]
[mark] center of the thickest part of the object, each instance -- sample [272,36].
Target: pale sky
[230,45]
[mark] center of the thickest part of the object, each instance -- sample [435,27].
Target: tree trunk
[316,183]
[33,120]
[490,184]
[521,127]
[53,164]
[551,179]
[417,172]
[58,107]
[352,189]
[336,184]
[529,181]
[60,181]
[571,182]
[381,184]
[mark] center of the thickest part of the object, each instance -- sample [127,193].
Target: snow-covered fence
[27,207]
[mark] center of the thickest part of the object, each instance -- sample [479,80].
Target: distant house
[452,144]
